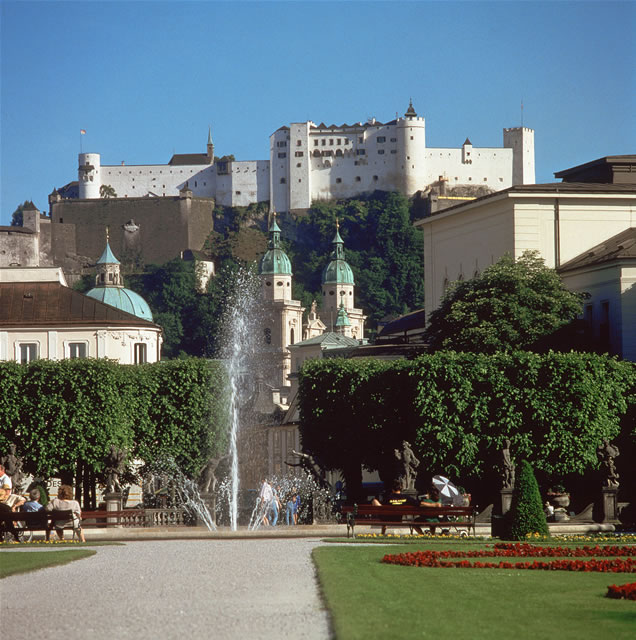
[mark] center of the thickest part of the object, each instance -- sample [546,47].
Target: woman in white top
[65,502]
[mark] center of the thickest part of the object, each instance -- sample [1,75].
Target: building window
[140,353]
[281,143]
[338,180]
[360,139]
[375,178]
[282,155]
[381,139]
[238,193]
[299,154]
[360,152]
[339,141]
[347,141]
[298,143]
[28,351]
[283,181]
[331,141]
[316,143]
[77,350]
[393,150]
[393,139]
[380,152]
[339,153]
[324,142]
[291,336]
[268,335]
[604,325]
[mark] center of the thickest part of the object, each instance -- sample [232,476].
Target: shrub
[526,514]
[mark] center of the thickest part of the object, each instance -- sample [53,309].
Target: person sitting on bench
[397,499]
[64,502]
[430,499]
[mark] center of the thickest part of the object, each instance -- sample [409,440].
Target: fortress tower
[89,175]
[521,141]
[411,139]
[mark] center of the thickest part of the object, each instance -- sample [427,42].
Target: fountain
[240,353]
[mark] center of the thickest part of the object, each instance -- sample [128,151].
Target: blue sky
[145,79]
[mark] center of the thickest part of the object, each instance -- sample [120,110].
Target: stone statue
[409,466]
[13,467]
[508,467]
[207,478]
[114,466]
[313,468]
[607,452]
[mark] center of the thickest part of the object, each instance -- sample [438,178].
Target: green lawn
[20,562]
[371,600]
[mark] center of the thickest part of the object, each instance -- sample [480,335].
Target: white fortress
[309,162]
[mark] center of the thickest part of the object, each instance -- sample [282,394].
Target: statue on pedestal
[607,452]
[207,477]
[409,466]
[114,466]
[13,468]
[508,470]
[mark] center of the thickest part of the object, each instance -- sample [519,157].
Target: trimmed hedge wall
[458,408]
[68,413]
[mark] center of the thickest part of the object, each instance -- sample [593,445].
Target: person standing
[265,498]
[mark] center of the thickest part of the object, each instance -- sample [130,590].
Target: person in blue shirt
[33,503]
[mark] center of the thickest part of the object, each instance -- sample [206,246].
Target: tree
[106,191]
[526,514]
[511,305]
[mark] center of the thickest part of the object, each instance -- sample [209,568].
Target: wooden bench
[389,516]
[42,520]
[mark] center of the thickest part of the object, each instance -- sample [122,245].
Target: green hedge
[458,408]
[68,413]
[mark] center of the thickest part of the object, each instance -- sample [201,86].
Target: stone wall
[142,230]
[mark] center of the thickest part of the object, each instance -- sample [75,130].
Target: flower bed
[627,591]
[621,560]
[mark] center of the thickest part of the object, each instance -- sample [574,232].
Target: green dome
[338,270]
[123,299]
[275,261]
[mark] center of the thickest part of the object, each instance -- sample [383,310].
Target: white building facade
[308,162]
[564,222]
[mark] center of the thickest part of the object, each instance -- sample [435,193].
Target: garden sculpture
[313,468]
[114,466]
[607,452]
[208,479]
[13,467]
[410,464]
[508,468]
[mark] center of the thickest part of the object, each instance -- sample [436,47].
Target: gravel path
[221,589]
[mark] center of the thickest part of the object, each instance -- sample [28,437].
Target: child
[33,503]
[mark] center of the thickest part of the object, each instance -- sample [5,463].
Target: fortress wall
[166,226]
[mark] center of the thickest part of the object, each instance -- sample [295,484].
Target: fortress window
[338,180]
[347,141]
[375,178]
[360,139]
[238,193]
[393,139]
[358,178]
[380,152]
[298,143]
[500,179]
[299,164]
[283,181]
[485,179]
[299,154]
[393,151]
[61,220]
[470,179]
[281,143]
[195,183]
[361,152]
[411,137]
[282,155]
[381,139]
[268,336]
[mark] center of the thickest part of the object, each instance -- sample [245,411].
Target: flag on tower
[83,132]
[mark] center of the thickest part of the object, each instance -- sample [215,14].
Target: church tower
[210,146]
[337,293]
[283,317]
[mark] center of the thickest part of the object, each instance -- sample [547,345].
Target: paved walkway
[171,589]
